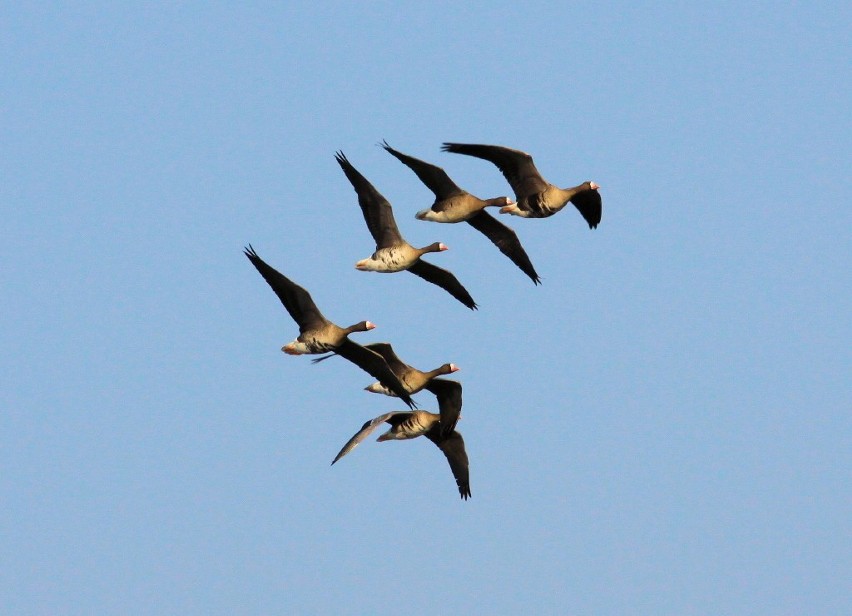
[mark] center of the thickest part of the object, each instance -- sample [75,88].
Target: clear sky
[662,427]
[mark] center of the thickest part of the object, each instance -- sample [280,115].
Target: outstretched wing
[449,394]
[443,279]
[374,364]
[453,448]
[382,348]
[386,350]
[365,431]
[506,240]
[435,178]
[296,300]
[517,166]
[378,213]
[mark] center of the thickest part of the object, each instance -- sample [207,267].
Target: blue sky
[662,427]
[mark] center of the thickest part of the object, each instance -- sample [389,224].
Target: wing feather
[454,450]
[295,299]
[449,394]
[365,431]
[516,166]
[377,211]
[588,202]
[444,279]
[435,178]
[506,240]
[374,364]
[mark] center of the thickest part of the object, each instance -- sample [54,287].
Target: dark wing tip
[411,402]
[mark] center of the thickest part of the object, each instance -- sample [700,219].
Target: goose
[411,424]
[453,204]
[536,198]
[319,335]
[393,253]
[448,392]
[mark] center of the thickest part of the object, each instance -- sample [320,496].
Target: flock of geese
[534,198]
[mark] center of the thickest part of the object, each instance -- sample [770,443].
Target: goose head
[448,369]
[435,247]
[499,202]
[363,326]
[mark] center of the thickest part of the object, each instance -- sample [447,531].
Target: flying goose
[536,198]
[453,204]
[411,424]
[319,335]
[393,253]
[448,392]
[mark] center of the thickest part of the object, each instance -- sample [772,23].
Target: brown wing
[506,240]
[517,167]
[382,348]
[449,394]
[366,430]
[374,364]
[590,206]
[378,213]
[386,350]
[435,178]
[443,279]
[453,448]
[296,300]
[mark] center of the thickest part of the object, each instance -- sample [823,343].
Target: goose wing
[435,178]
[517,166]
[386,350]
[296,300]
[588,202]
[378,213]
[365,431]
[374,364]
[444,279]
[449,394]
[453,448]
[506,240]
[382,348]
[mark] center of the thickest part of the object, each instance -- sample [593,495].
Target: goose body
[319,335]
[453,204]
[551,200]
[393,253]
[456,209]
[396,258]
[407,425]
[535,197]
